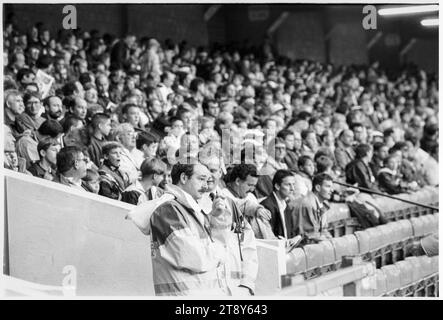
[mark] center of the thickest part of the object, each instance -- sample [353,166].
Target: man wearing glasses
[71,167]
[31,119]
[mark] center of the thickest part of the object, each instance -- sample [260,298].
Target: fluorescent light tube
[407,10]
[429,22]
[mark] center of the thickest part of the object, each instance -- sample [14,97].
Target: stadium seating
[412,277]
[341,222]
[383,245]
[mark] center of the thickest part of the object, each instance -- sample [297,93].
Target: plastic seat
[296,261]
[341,211]
[406,274]
[314,256]
[427,224]
[364,240]
[393,281]
[418,226]
[425,265]
[387,234]
[381,283]
[431,223]
[328,252]
[331,215]
[405,229]
[345,246]
[376,238]
[434,264]
[394,231]
[417,272]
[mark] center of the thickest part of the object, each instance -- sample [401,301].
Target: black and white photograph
[220,150]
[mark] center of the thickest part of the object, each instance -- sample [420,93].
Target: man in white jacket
[242,264]
[189,248]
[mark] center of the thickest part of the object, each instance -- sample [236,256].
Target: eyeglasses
[33,102]
[84,159]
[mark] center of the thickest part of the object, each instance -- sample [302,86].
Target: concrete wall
[425,54]
[346,37]
[107,19]
[334,35]
[51,226]
[178,22]
[301,36]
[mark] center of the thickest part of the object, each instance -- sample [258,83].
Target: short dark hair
[48,98]
[388,132]
[279,176]
[362,150]
[146,138]
[303,159]
[44,62]
[99,118]
[69,122]
[91,175]
[152,166]
[242,171]
[179,168]
[109,146]
[319,179]
[85,78]
[30,94]
[195,83]
[323,163]
[398,146]
[389,157]
[126,107]
[342,132]
[284,133]
[68,102]
[411,137]
[24,72]
[45,144]
[50,128]
[305,133]
[69,89]
[66,158]
[313,120]
[378,145]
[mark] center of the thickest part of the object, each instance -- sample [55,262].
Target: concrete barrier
[59,236]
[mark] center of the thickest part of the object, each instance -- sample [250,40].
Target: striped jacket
[186,259]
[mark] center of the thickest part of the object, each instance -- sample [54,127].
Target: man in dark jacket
[101,126]
[358,171]
[283,187]
[121,53]
[113,180]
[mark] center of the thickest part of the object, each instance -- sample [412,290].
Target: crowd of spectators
[112,116]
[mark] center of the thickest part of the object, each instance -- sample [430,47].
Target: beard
[55,115]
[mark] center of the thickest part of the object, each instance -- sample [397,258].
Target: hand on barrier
[293,243]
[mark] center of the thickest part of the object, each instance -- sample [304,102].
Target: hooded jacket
[186,259]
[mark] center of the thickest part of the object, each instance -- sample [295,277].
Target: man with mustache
[53,108]
[243,260]
[189,255]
